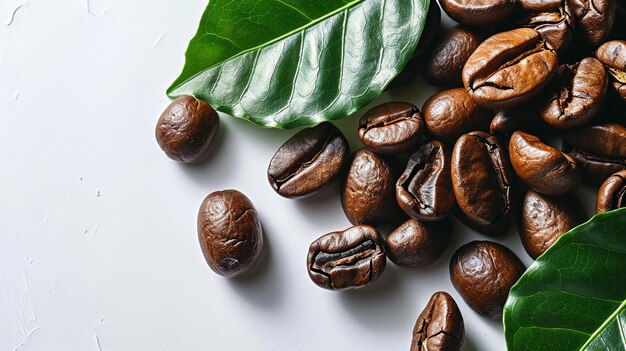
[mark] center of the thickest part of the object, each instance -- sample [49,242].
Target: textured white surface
[98,245]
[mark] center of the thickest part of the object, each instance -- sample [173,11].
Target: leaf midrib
[604,325]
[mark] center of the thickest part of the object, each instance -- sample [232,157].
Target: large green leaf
[572,297]
[291,63]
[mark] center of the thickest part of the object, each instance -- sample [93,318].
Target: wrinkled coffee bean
[545,218]
[481,179]
[509,68]
[391,128]
[230,232]
[308,161]
[613,55]
[612,193]
[477,12]
[368,195]
[414,244]
[452,113]
[483,272]
[440,326]
[506,122]
[553,19]
[424,190]
[578,92]
[595,18]
[542,167]
[444,64]
[186,129]
[349,259]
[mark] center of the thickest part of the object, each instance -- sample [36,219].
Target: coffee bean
[506,122]
[308,161]
[415,244]
[542,167]
[509,68]
[424,190]
[613,55]
[599,150]
[186,129]
[483,272]
[577,94]
[481,179]
[230,232]
[391,128]
[349,259]
[477,12]
[545,218]
[452,113]
[553,19]
[595,18]
[440,326]
[612,193]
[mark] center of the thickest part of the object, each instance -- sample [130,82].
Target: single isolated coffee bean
[230,232]
[612,194]
[509,68]
[506,122]
[599,150]
[545,218]
[481,179]
[613,55]
[451,113]
[186,129]
[595,19]
[478,12]
[483,272]
[424,190]
[440,326]
[542,167]
[553,19]
[577,94]
[391,128]
[308,161]
[417,244]
[349,259]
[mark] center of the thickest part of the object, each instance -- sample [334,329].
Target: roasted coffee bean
[424,190]
[440,326]
[452,113]
[230,232]
[595,19]
[613,55]
[477,12]
[186,129]
[545,218]
[391,128]
[598,150]
[444,64]
[577,94]
[483,272]
[481,179]
[308,161]
[612,194]
[542,167]
[509,68]
[368,195]
[415,244]
[553,19]
[349,259]
[506,122]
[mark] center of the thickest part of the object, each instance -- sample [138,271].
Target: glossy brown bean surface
[417,244]
[553,19]
[440,326]
[595,19]
[477,12]
[391,128]
[612,193]
[613,55]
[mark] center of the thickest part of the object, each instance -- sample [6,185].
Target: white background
[98,243]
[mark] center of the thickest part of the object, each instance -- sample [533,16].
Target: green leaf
[292,63]
[573,296]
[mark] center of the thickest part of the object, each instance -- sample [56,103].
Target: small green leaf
[292,63]
[573,296]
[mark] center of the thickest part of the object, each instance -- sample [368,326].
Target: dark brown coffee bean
[308,161]
[440,326]
[553,19]
[452,113]
[186,129]
[483,272]
[542,167]
[444,64]
[424,190]
[545,218]
[577,94]
[613,55]
[509,68]
[391,128]
[506,122]
[414,244]
[368,195]
[349,259]
[477,12]
[230,232]
[595,19]
[481,179]
[612,193]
